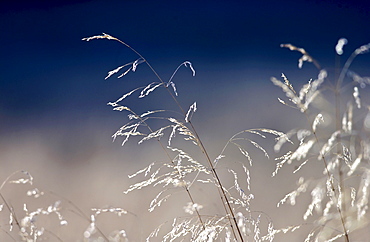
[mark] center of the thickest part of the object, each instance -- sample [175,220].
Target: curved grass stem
[224,198]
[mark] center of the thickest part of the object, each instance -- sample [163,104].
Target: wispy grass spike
[191,111]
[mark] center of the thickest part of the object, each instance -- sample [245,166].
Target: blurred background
[55,124]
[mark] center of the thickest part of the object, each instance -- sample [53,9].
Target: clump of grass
[335,137]
[182,171]
[345,204]
[25,221]
[338,138]
[49,220]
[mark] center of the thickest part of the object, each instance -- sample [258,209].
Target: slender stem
[345,69]
[11,210]
[227,207]
[79,213]
[333,189]
[221,189]
[162,146]
[338,127]
[186,186]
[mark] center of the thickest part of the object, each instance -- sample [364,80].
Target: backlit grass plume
[181,170]
[208,196]
[339,139]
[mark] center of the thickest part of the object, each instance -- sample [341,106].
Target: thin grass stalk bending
[226,203]
[151,130]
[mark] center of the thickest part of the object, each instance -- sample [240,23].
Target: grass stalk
[225,201]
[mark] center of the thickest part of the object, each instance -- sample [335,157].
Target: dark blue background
[49,75]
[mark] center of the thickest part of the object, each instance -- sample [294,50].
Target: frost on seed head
[191,208]
[356,96]
[305,56]
[306,95]
[191,111]
[104,36]
[362,49]
[363,81]
[340,45]
[319,119]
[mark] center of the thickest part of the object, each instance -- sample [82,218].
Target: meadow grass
[335,137]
